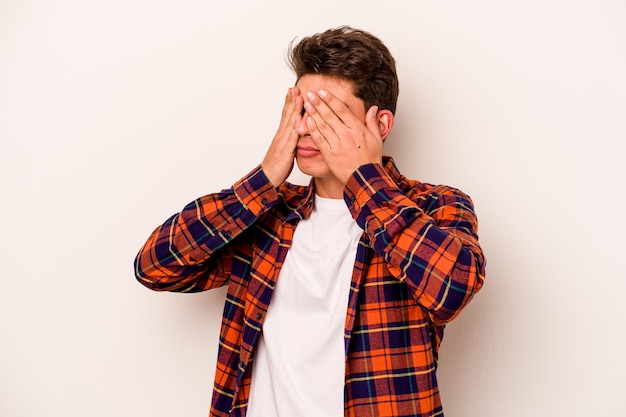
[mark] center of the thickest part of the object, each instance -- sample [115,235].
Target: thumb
[371,121]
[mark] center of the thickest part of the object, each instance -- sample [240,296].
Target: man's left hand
[345,141]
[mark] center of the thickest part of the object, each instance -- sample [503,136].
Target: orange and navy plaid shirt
[418,264]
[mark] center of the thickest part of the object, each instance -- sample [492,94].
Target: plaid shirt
[418,264]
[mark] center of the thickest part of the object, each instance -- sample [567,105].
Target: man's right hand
[279,159]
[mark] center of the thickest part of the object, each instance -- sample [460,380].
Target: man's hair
[352,55]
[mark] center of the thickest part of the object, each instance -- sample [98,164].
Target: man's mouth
[307,151]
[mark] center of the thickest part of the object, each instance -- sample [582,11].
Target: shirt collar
[299,199]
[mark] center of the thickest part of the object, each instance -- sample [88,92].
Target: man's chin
[313,168]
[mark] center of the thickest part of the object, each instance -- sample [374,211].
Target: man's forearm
[191,251]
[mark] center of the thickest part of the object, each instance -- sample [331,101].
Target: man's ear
[385,122]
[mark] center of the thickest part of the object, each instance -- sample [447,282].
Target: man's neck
[329,188]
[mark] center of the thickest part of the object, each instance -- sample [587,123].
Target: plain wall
[115,114]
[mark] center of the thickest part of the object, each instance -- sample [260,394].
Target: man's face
[308,157]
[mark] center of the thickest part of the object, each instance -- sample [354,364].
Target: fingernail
[308,105]
[310,95]
[323,93]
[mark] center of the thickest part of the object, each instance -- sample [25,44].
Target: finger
[318,137]
[292,111]
[324,126]
[287,104]
[322,107]
[296,111]
[291,117]
[293,93]
[371,121]
[328,104]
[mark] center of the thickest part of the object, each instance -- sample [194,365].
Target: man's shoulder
[433,194]
[417,188]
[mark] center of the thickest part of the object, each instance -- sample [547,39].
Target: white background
[114,114]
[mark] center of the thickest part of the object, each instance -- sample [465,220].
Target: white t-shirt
[299,366]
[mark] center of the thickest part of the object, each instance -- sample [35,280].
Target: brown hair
[353,55]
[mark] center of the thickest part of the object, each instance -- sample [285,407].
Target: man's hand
[279,159]
[344,140]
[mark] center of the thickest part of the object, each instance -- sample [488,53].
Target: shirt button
[264,201]
[258,316]
[227,233]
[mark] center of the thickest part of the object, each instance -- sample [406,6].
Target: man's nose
[302,128]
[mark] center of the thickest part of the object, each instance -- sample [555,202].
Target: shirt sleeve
[429,240]
[193,251]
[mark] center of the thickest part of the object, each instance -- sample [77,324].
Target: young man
[338,292]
